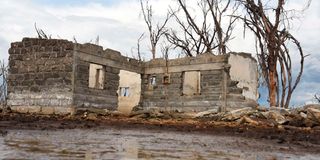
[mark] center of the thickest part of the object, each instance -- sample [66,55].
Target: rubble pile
[307,116]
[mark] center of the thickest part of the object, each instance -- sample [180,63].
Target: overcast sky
[119,23]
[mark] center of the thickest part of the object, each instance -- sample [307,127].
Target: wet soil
[308,139]
[120,137]
[131,144]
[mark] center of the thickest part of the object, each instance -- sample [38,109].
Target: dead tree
[317,98]
[41,33]
[207,35]
[166,77]
[189,42]
[155,31]
[270,27]
[97,40]
[165,53]
[137,50]
[3,83]
[217,12]
[138,46]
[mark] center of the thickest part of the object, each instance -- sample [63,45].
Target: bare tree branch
[41,33]
[138,46]
[165,53]
[155,32]
[209,34]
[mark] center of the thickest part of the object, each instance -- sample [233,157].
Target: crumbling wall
[40,75]
[218,86]
[129,91]
[113,62]
[244,70]
[52,76]
[56,76]
[170,96]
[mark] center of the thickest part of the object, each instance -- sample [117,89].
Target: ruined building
[58,76]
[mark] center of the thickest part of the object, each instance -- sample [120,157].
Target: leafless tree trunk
[155,31]
[269,24]
[317,98]
[165,53]
[137,50]
[97,40]
[210,34]
[3,84]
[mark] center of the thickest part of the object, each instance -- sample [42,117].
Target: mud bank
[144,144]
[308,139]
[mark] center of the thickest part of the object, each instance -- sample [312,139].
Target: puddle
[131,144]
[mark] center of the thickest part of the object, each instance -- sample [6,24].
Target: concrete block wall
[170,96]
[113,62]
[40,73]
[84,96]
[215,89]
[52,76]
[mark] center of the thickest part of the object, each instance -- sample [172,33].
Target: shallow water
[126,144]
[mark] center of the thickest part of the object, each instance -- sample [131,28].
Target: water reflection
[129,148]
[133,144]
[88,155]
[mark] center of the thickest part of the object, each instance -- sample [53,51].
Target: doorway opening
[129,91]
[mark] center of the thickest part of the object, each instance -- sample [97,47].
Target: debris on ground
[299,124]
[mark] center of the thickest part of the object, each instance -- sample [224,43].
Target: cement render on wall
[40,99]
[133,81]
[244,70]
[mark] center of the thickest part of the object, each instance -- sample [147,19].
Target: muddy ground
[306,139]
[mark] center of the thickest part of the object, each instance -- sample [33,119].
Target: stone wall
[40,74]
[53,76]
[113,62]
[170,96]
[216,89]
